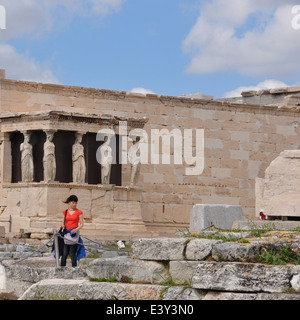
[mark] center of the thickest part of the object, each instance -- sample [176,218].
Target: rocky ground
[211,265]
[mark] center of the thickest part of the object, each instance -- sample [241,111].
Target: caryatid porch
[46,156]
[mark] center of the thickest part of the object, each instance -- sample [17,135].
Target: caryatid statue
[79,168]
[49,160]
[106,160]
[134,157]
[27,166]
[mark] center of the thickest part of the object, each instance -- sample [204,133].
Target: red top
[72,219]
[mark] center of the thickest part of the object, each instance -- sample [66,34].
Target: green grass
[111,279]
[168,282]
[214,237]
[279,257]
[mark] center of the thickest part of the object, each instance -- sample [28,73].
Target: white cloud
[267,84]
[251,37]
[37,18]
[106,6]
[24,17]
[142,90]
[22,67]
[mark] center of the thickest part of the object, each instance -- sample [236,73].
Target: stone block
[61,289]
[101,205]
[119,291]
[2,232]
[183,294]
[221,172]
[240,136]
[239,154]
[229,251]
[32,274]
[2,278]
[278,193]
[286,130]
[241,277]
[50,288]
[295,282]
[159,249]
[221,216]
[213,143]
[153,178]
[200,249]
[33,202]
[181,272]
[128,268]
[211,295]
[127,210]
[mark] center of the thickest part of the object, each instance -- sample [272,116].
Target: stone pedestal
[109,212]
[221,216]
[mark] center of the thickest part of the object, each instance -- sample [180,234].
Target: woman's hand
[74,230]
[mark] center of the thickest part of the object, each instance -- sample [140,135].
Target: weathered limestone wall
[240,143]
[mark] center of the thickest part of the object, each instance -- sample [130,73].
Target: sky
[166,47]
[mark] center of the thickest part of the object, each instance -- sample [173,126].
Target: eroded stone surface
[159,249]
[242,277]
[61,289]
[128,268]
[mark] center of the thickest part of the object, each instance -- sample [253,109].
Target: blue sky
[169,47]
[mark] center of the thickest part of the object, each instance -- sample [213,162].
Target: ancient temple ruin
[53,131]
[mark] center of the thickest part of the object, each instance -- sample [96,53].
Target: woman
[72,222]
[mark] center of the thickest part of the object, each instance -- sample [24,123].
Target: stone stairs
[184,268]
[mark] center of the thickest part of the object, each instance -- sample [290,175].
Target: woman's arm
[63,222]
[80,224]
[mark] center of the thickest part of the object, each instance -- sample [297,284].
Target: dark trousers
[69,250]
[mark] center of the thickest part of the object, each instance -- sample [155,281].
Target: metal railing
[57,235]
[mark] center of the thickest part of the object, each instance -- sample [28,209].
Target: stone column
[5,158]
[27,165]
[5,170]
[79,167]
[49,160]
